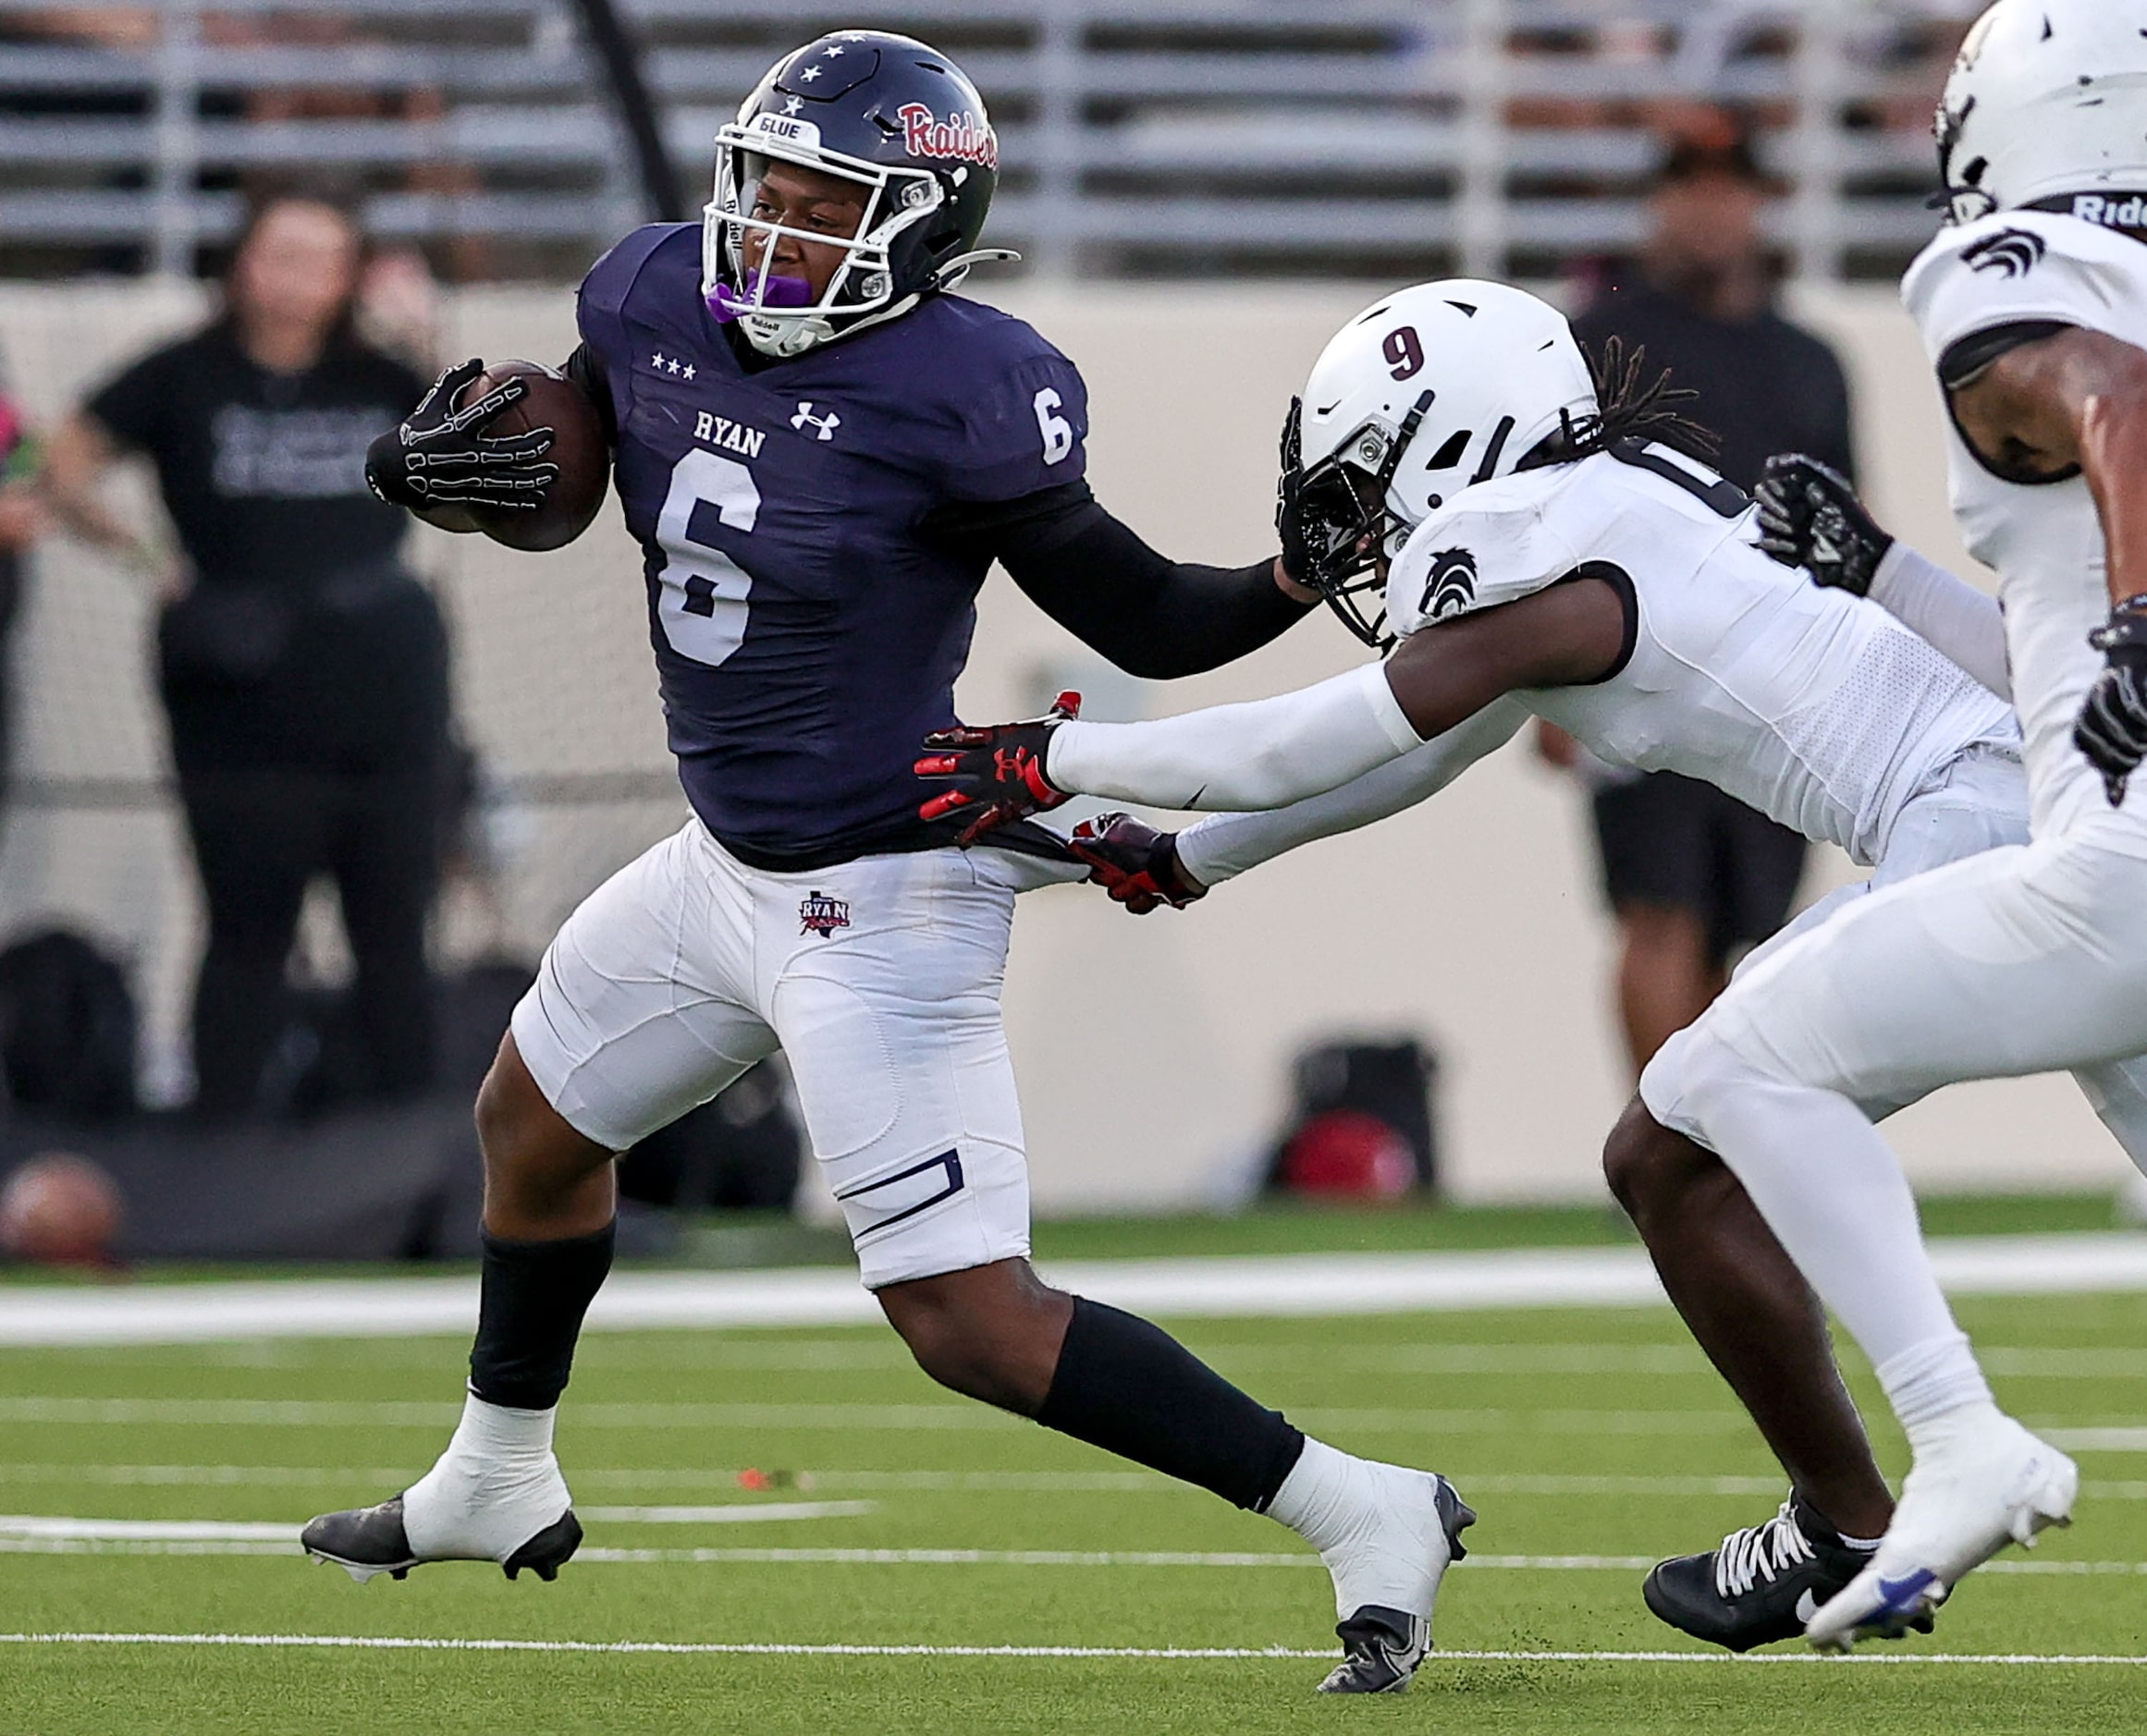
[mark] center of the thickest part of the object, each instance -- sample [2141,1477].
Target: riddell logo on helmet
[2128,212]
[962,135]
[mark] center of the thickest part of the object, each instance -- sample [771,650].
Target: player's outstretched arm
[1223,846]
[1275,752]
[1811,518]
[1145,869]
[1152,616]
[2079,397]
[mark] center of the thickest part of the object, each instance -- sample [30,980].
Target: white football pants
[878,979]
[2024,958]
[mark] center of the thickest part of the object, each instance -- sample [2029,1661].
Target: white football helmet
[2047,108]
[1426,391]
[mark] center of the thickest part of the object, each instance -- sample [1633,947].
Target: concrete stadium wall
[1153,1054]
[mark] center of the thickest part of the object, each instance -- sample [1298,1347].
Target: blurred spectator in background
[22,522]
[1694,875]
[303,671]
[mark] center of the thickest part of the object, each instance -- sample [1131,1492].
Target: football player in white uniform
[1606,581]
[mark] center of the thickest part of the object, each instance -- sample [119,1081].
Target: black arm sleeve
[1152,616]
[587,372]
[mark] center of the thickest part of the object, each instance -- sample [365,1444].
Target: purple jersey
[806,636]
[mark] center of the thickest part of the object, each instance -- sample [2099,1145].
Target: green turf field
[1590,1441]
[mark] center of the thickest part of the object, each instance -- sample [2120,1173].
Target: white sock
[1319,1499]
[497,1485]
[1827,1185]
[1929,1384]
[1372,1523]
[489,1432]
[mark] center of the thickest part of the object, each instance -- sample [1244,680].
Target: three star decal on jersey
[671,364]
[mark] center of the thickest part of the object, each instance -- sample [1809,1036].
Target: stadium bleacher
[1169,138]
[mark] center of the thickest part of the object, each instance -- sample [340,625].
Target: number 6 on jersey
[703,607]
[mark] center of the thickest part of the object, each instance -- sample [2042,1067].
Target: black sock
[1131,1388]
[530,1305]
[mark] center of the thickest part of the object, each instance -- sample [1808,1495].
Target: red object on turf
[1346,1154]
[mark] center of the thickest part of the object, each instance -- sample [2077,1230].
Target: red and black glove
[997,770]
[1135,863]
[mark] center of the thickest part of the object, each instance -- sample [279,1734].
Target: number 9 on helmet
[1420,395]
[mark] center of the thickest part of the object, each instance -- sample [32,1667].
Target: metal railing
[1169,136]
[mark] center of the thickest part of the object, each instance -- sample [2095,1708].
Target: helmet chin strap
[957,268]
[782,338]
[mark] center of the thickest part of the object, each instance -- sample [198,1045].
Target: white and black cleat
[1760,1583]
[1382,1647]
[368,1541]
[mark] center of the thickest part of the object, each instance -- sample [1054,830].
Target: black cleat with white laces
[1382,1647]
[1762,1584]
[366,1541]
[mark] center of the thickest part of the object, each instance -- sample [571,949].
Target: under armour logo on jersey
[1451,586]
[819,914]
[805,418]
[2011,252]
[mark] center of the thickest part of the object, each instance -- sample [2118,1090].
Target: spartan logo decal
[2011,252]
[819,914]
[1451,586]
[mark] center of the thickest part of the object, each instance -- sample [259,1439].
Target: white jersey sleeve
[2043,539]
[2023,267]
[1497,543]
[1223,846]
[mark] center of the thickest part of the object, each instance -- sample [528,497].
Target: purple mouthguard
[728,304]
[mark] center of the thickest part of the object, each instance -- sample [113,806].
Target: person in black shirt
[302,670]
[22,522]
[1694,875]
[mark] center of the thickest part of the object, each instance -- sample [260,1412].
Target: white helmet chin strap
[793,335]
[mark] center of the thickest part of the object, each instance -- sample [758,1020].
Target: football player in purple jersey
[822,450]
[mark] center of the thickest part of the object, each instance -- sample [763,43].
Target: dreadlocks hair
[1633,406]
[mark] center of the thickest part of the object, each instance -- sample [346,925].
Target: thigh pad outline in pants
[2020,960]
[641,1009]
[893,1029]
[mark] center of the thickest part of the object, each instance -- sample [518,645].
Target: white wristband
[1264,755]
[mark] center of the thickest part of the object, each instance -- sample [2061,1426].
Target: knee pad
[1685,1078]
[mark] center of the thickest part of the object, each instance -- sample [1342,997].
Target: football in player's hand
[549,400]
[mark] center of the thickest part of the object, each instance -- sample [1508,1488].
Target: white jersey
[2044,540]
[1814,706]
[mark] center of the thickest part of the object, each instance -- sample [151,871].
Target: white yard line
[385,1643]
[2098,1440]
[883,1353]
[52,1534]
[895,1417]
[34,1527]
[1214,1288]
[924,1482]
